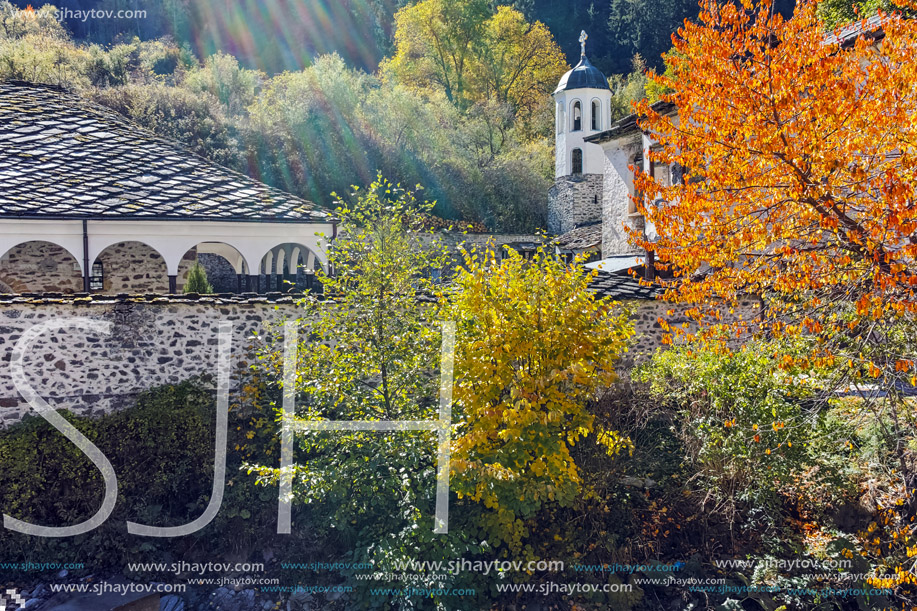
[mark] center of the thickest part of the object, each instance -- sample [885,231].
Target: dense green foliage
[162,453]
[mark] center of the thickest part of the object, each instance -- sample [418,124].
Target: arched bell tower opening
[583,107]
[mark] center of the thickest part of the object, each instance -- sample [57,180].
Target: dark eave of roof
[628,125]
[64,157]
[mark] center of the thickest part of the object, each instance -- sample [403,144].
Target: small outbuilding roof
[621,286]
[628,125]
[581,238]
[62,156]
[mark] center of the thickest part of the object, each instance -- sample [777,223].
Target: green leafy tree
[370,351]
[19,23]
[628,89]
[222,77]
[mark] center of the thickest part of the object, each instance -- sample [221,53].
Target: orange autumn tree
[799,177]
[798,159]
[799,166]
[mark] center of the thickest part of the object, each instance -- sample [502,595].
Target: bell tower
[582,106]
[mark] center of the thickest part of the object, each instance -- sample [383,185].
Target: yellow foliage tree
[474,54]
[534,345]
[518,63]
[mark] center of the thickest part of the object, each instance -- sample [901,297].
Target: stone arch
[130,267]
[39,266]
[226,267]
[289,267]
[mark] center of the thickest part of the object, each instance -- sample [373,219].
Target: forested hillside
[361,31]
[482,146]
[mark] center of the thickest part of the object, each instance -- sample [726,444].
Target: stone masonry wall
[648,333]
[164,340]
[152,342]
[127,267]
[37,267]
[616,205]
[134,267]
[220,273]
[573,201]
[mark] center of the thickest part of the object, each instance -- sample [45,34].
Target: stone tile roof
[628,125]
[581,238]
[63,156]
[622,286]
[846,36]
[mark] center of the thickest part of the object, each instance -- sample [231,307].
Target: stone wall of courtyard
[154,341]
[161,340]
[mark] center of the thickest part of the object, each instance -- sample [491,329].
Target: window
[96,278]
[577,161]
[577,116]
[678,174]
[596,112]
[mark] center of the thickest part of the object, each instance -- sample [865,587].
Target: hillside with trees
[451,94]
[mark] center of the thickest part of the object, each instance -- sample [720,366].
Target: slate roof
[627,125]
[871,28]
[581,238]
[62,156]
[622,286]
[583,76]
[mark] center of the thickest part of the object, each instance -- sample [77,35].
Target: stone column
[173,284]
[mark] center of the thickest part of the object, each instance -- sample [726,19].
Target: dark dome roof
[583,76]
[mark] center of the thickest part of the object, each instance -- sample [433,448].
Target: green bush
[747,425]
[197,280]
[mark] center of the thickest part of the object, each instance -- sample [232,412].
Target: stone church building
[590,203]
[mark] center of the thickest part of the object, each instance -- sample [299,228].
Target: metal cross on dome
[582,41]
